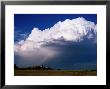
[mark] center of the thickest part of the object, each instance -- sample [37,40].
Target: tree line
[42,67]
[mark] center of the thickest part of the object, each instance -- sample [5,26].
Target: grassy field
[19,72]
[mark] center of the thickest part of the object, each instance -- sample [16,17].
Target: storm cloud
[66,42]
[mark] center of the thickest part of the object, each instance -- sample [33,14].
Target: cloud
[19,35]
[35,46]
[69,30]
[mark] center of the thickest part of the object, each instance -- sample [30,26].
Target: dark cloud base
[82,55]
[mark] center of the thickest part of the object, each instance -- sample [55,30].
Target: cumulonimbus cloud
[74,30]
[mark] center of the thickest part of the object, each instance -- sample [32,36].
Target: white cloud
[69,30]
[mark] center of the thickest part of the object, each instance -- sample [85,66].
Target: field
[19,72]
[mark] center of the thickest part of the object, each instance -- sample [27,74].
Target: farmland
[33,72]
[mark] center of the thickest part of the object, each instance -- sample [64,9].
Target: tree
[15,66]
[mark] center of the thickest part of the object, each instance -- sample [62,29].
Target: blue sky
[24,23]
[43,21]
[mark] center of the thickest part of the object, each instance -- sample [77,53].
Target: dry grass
[54,73]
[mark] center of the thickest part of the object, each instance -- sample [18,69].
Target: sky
[64,41]
[24,23]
